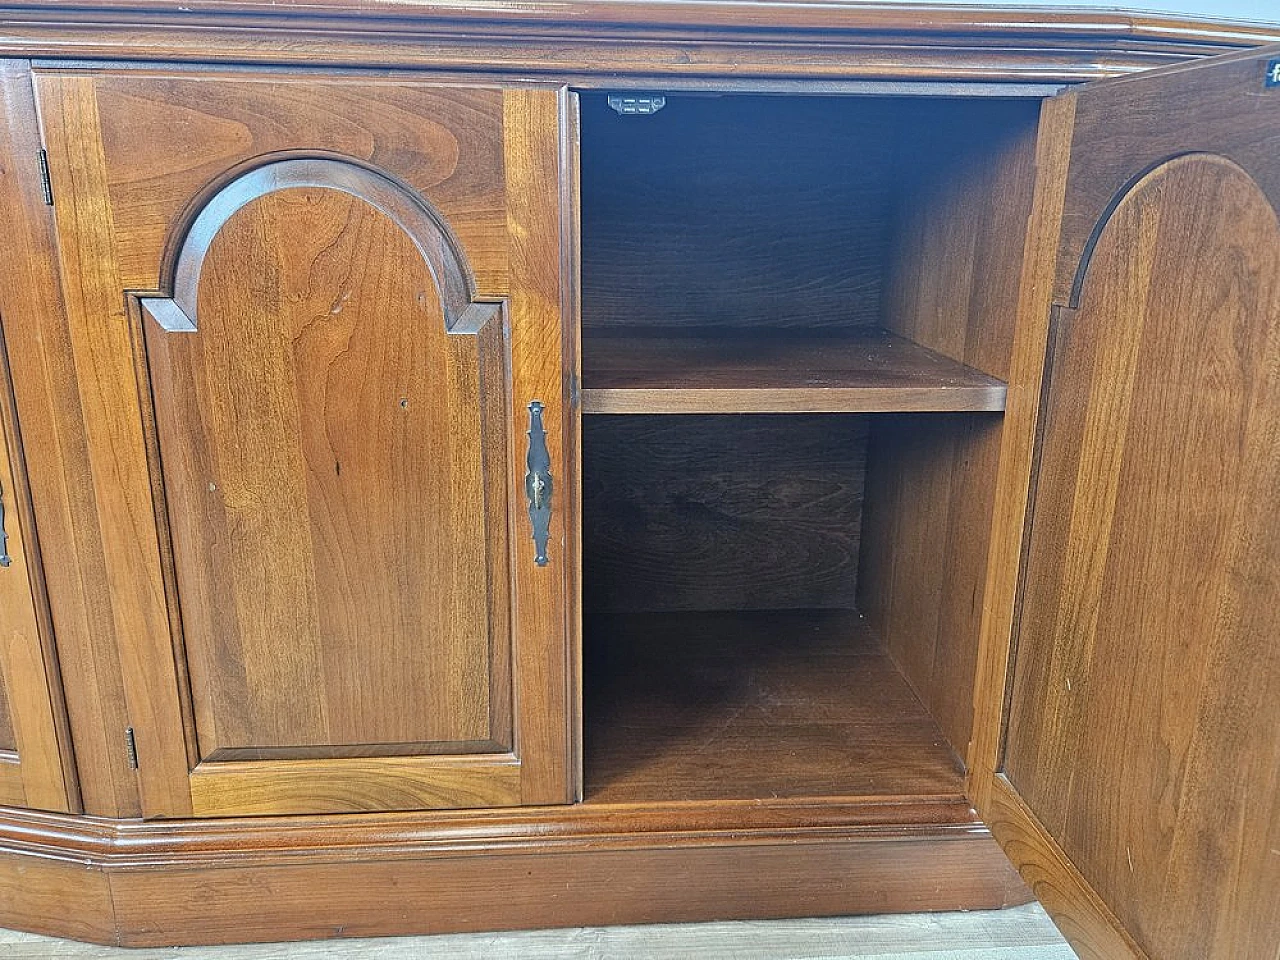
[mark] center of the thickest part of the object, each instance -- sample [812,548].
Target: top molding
[697,14]
[619,43]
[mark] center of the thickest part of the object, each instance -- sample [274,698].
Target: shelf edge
[649,400]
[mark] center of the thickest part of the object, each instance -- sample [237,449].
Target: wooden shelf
[750,706]
[750,372]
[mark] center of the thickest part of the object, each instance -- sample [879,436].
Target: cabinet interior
[797,320]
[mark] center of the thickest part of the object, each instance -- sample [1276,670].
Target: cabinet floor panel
[742,371]
[754,705]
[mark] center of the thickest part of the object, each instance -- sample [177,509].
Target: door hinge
[575,392]
[637,104]
[131,748]
[42,159]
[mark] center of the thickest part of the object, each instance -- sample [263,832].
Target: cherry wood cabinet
[484,467]
[313,321]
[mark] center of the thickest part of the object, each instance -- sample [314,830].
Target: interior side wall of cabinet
[951,285]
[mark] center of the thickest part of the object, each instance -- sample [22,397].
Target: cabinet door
[320,328]
[1135,776]
[31,752]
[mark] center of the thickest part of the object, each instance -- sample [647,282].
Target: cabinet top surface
[1169,18]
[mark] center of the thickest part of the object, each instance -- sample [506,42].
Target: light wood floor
[1020,933]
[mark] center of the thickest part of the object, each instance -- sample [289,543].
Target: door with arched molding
[1129,753]
[322,333]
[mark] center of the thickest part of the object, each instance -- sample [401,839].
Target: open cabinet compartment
[793,401]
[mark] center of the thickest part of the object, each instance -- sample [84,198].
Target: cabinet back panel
[736,211]
[721,512]
[732,211]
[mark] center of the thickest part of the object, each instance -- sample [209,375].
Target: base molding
[135,883]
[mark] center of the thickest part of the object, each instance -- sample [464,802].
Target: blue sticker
[1273,73]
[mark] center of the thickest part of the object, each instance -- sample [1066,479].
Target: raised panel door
[1135,776]
[322,329]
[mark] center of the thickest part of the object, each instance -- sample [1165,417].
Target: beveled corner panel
[306,314]
[34,756]
[36,767]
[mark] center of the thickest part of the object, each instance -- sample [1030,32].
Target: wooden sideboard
[486,465]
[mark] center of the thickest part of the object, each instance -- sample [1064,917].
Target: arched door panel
[1134,775]
[309,368]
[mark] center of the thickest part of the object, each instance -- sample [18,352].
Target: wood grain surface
[1143,760]
[952,286]
[736,212]
[706,45]
[335,452]
[8,739]
[109,407]
[1019,432]
[268,878]
[34,755]
[1223,109]
[8,743]
[540,149]
[721,513]
[349,785]
[1094,931]
[333,446]
[1144,731]
[38,343]
[36,762]
[741,371]
[802,703]
[36,894]
[832,14]
[922,561]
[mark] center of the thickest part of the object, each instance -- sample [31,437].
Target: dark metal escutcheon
[537,483]
[5,559]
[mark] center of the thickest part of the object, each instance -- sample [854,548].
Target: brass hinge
[131,748]
[42,158]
